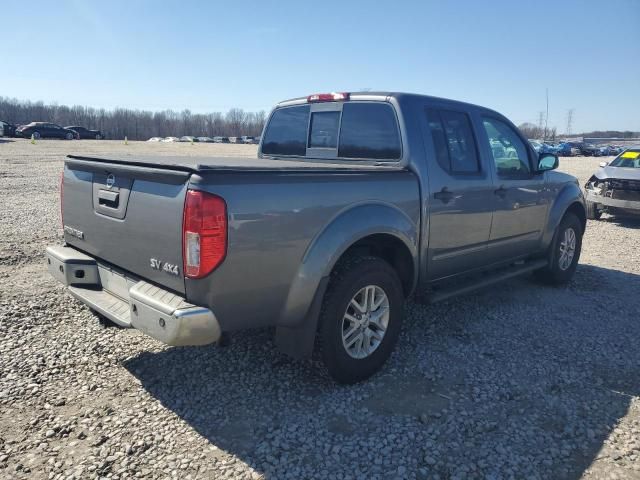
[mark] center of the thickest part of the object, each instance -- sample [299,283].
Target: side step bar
[514,271]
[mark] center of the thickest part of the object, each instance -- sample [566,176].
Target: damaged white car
[615,187]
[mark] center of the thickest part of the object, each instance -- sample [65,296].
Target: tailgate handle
[108,199]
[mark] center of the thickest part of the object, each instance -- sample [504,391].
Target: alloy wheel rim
[567,249]
[365,321]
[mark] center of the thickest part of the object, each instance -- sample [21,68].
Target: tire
[593,213]
[98,137]
[36,135]
[559,271]
[357,278]
[69,136]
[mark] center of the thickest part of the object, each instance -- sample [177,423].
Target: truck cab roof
[383,96]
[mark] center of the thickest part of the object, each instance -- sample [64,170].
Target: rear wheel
[593,212]
[98,137]
[69,136]
[564,252]
[36,135]
[360,319]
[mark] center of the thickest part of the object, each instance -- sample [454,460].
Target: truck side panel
[273,220]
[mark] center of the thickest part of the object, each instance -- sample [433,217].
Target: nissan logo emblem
[111,180]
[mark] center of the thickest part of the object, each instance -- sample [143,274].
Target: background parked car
[564,149]
[205,139]
[170,139]
[87,133]
[543,147]
[615,150]
[7,129]
[221,139]
[246,139]
[605,150]
[155,139]
[45,130]
[589,150]
[570,149]
[188,138]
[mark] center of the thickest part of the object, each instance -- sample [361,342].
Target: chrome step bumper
[131,302]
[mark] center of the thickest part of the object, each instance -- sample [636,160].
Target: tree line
[533,131]
[135,124]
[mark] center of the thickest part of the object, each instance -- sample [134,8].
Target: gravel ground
[518,381]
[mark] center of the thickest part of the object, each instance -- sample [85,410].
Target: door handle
[443,195]
[501,192]
[108,199]
[108,196]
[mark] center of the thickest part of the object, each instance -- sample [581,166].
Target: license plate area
[115,282]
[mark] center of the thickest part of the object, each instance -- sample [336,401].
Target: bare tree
[236,120]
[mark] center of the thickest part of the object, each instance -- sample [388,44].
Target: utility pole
[540,123]
[569,120]
[546,119]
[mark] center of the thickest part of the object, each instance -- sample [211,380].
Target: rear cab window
[351,130]
[287,132]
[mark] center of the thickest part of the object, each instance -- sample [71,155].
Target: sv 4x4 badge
[164,266]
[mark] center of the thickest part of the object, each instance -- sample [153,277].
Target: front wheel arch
[569,199]
[553,273]
[579,211]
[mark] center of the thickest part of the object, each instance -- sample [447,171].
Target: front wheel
[98,137]
[593,212]
[564,252]
[360,319]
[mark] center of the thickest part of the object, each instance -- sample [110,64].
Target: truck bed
[248,164]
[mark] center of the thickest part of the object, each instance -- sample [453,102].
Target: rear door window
[453,140]
[369,130]
[287,132]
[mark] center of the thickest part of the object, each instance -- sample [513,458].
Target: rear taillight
[204,233]
[328,97]
[62,198]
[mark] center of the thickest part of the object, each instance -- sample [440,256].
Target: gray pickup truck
[354,203]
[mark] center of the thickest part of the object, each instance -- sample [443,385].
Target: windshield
[628,159]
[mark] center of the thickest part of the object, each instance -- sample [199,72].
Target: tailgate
[127,215]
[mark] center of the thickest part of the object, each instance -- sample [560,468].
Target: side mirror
[547,161]
[604,164]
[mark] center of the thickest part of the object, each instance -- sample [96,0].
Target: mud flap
[297,342]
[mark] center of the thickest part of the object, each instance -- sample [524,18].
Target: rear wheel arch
[367,229]
[390,249]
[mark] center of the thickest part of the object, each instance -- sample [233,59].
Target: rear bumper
[132,302]
[612,202]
